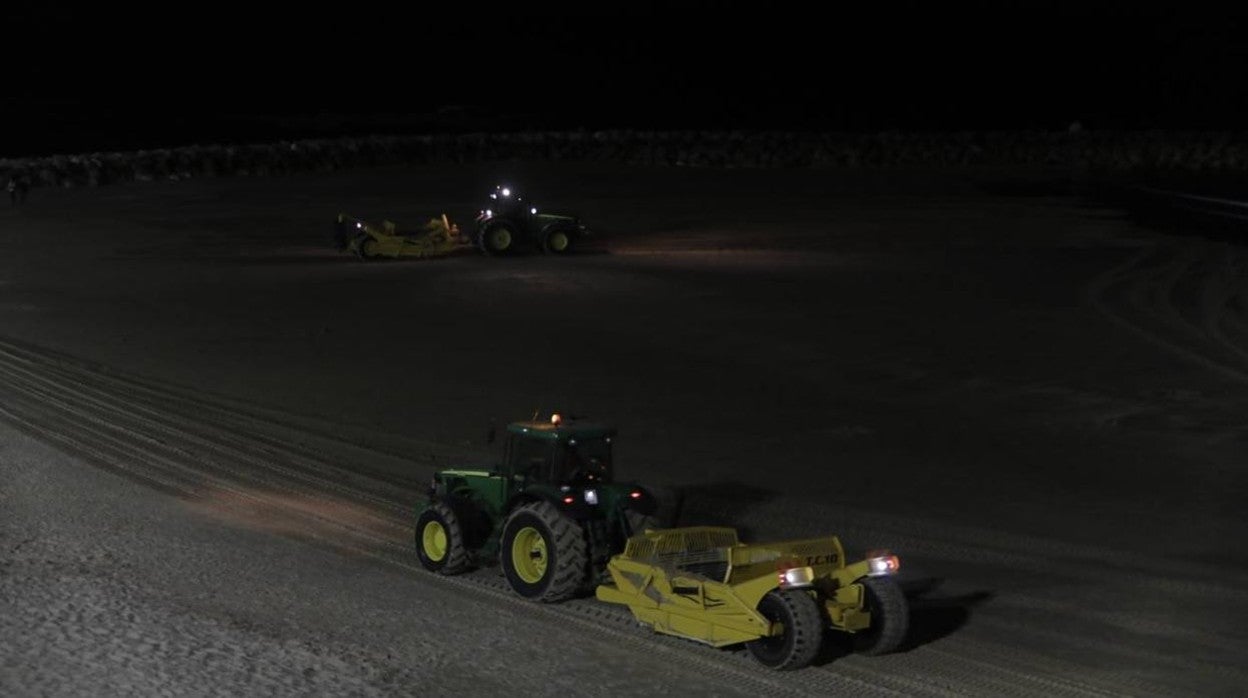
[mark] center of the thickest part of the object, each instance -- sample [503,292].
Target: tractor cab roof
[561,430]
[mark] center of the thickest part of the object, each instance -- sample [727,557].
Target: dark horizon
[901,67]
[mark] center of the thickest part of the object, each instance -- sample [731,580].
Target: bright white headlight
[591,496]
[796,577]
[880,566]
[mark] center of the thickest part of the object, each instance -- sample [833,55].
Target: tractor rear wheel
[543,553]
[638,522]
[498,239]
[440,540]
[801,630]
[890,617]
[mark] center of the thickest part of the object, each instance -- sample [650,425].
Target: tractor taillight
[635,494]
[569,500]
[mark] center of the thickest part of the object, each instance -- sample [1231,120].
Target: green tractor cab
[509,223]
[551,512]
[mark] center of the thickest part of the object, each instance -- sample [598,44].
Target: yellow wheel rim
[558,241]
[433,538]
[500,238]
[528,555]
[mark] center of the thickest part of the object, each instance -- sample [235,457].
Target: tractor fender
[577,509]
[515,224]
[523,497]
[647,503]
[571,226]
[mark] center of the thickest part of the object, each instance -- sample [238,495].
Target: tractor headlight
[882,565]
[591,496]
[796,577]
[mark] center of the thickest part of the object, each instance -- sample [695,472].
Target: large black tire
[440,540]
[499,238]
[558,241]
[638,522]
[365,246]
[803,631]
[890,617]
[543,553]
[670,501]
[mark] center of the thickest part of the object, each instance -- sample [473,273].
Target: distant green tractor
[509,223]
[550,513]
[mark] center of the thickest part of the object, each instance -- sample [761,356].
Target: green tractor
[551,513]
[510,223]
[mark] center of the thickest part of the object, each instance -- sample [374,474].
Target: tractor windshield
[586,460]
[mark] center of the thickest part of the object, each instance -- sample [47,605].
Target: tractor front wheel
[557,241]
[543,553]
[890,617]
[440,540]
[801,631]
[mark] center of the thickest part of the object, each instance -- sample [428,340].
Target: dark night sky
[102,78]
